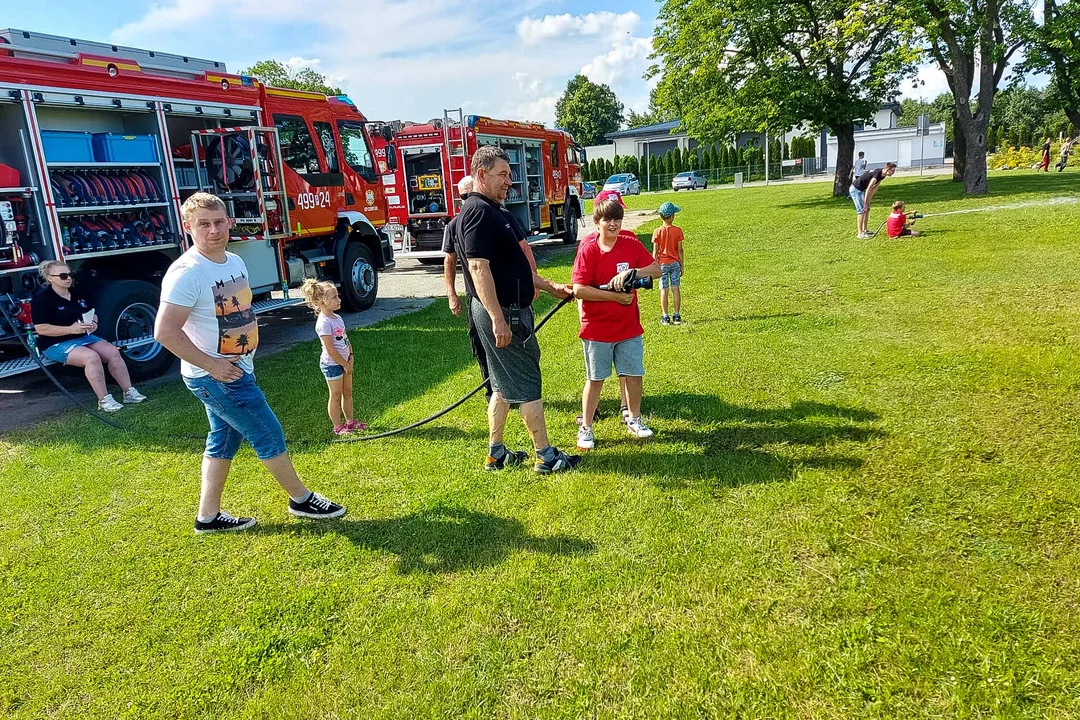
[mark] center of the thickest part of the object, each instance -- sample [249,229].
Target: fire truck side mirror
[387,133]
[391,159]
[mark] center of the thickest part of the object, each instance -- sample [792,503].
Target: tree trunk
[974,172]
[959,149]
[1074,117]
[845,158]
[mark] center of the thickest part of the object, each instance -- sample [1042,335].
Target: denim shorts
[670,275]
[331,370]
[628,357]
[859,198]
[60,351]
[237,411]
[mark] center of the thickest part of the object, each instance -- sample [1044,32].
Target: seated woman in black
[62,336]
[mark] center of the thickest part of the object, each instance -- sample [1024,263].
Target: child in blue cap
[667,243]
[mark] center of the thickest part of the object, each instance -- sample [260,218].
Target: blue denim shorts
[670,275]
[859,198]
[331,370]
[237,411]
[60,351]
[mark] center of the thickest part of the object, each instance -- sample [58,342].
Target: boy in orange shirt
[667,243]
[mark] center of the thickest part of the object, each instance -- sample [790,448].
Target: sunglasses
[62,276]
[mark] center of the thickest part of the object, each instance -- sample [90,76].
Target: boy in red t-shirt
[898,225]
[611,331]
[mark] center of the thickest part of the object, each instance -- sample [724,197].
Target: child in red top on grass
[898,224]
[611,331]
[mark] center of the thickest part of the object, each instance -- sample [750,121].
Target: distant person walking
[1045,164]
[1066,150]
[860,166]
[862,193]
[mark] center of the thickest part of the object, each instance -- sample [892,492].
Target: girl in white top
[336,358]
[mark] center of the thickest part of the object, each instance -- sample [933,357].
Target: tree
[278,74]
[1022,107]
[588,111]
[1053,47]
[631,165]
[965,37]
[730,66]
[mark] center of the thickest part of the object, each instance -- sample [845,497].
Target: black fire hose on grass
[113,424]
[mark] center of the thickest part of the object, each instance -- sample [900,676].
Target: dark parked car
[588,191]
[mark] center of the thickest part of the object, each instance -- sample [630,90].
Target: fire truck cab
[422,196]
[101,144]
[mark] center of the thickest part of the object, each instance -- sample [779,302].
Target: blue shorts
[60,351]
[670,275]
[859,198]
[237,411]
[331,370]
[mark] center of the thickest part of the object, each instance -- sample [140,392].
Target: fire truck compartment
[426,183]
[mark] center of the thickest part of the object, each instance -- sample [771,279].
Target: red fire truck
[99,146]
[432,157]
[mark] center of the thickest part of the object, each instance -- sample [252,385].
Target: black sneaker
[561,463]
[511,458]
[223,522]
[316,507]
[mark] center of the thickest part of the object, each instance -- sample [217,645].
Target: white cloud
[927,84]
[607,25]
[624,60]
[409,59]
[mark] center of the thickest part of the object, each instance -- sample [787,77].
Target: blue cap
[668,209]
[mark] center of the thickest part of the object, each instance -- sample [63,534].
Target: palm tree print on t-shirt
[238,330]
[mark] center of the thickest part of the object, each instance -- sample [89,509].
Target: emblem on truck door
[369,196]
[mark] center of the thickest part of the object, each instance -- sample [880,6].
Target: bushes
[1010,158]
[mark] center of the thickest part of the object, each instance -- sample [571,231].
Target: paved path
[31,397]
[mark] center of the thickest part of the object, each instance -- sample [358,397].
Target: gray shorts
[628,357]
[515,369]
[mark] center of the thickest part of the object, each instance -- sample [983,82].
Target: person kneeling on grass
[898,224]
[336,358]
[206,320]
[611,331]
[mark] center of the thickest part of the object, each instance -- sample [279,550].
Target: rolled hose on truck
[302,443]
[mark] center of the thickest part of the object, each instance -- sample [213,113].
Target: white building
[884,141]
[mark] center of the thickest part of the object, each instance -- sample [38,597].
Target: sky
[400,59]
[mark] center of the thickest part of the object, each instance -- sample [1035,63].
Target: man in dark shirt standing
[862,192]
[501,286]
[451,241]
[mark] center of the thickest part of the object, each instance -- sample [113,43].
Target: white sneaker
[109,404]
[638,428]
[585,439]
[131,395]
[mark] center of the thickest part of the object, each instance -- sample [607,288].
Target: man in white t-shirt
[860,165]
[206,320]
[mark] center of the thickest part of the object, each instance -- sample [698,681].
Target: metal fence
[726,176]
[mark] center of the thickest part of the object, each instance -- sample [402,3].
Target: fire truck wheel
[359,279]
[126,310]
[570,237]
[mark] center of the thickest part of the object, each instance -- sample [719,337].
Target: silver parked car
[689,181]
[624,184]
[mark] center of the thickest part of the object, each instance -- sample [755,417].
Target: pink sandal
[343,429]
[356,425]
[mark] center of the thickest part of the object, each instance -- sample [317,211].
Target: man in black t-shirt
[862,192]
[501,288]
[451,242]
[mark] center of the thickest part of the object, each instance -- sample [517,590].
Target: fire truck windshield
[355,146]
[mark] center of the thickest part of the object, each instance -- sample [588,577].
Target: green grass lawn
[861,501]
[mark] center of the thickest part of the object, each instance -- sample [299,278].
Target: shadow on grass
[727,445]
[943,189]
[442,539]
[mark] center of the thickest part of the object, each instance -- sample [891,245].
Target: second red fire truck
[432,157]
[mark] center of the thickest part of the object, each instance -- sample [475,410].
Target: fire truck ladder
[455,118]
